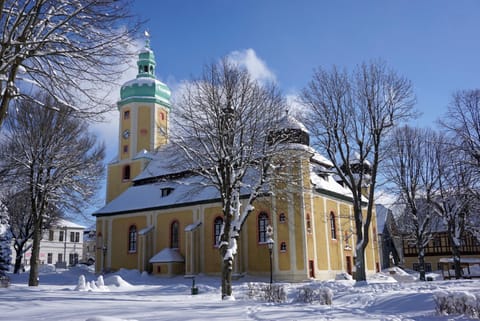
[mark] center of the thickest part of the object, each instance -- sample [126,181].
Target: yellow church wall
[320,237]
[101,238]
[122,258]
[163,224]
[161,123]
[143,128]
[257,252]
[283,233]
[212,262]
[334,243]
[115,184]
[299,233]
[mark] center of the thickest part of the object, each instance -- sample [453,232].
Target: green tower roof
[145,88]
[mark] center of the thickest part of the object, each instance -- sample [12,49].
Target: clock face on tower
[126,134]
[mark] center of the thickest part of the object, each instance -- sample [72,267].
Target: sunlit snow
[79,294]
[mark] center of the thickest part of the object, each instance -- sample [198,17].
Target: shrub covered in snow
[454,303]
[307,294]
[267,292]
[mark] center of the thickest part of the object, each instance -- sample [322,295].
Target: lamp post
[104,250]
[270,243]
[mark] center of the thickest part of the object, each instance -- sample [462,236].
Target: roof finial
[147,39]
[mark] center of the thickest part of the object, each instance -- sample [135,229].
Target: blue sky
[434,43]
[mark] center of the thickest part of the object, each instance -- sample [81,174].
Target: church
[157,219]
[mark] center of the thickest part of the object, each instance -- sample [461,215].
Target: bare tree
[455,199]
[411,167]
[51,155]
[21,228]
[70,49]
[349,116]
[225,121]
[463,122]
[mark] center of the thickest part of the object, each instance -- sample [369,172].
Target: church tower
[143,127]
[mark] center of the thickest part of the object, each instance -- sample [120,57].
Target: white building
[89,246]
[61,245]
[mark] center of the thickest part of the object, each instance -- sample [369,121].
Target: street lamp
[270,243]
[104,250]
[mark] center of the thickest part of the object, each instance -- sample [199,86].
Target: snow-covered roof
[143,154]
[321,159]
[145,230]
[193,226]
[290,122]
[163,162]
[167,255]
[64,223]
[149,196]
[328,183]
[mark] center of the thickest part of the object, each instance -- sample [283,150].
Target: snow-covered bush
[454,303]
[267,292]
[322,296]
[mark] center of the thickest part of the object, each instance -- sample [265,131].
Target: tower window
[282,218]
[145,68]
[309,224]
[283,247]
[262,227]
[126,114]
[132,239]
[125,149]
[126,172]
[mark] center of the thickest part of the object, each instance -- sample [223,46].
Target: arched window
[282,218]
[126,172]
[174,239]
[132,239]
[217,230]
[333,226]
[262,227]
[283,247]
[309,224]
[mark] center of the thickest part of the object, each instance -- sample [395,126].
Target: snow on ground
[129,295]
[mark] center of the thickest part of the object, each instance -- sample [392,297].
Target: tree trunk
[421,265]
[18,262]
[227,268]
[360,273]
[34,259]
[456,261]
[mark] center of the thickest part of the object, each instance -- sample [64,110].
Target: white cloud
[295,107]
[256,67]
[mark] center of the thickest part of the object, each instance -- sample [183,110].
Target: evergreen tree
[5,241]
